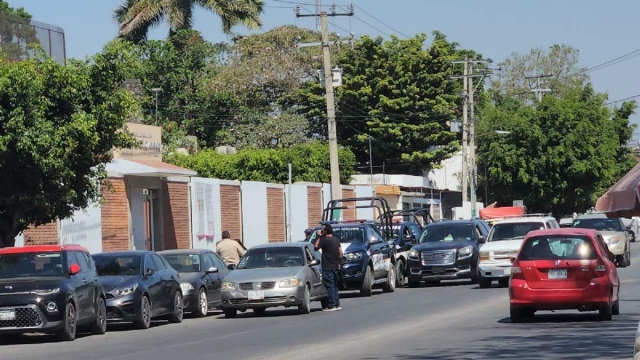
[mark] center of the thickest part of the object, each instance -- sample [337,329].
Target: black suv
[369,254]
[447,250]
[50,289]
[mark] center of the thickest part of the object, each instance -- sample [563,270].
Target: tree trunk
[9,229]
[8,238]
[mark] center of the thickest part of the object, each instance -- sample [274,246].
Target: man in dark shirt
[331,262]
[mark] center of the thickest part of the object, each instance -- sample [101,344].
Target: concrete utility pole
[472,143]
[336,192]
[538,91]
[465,128]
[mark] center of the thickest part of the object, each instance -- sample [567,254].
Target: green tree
[400,93]
[58,126]
[137,17]
[309,162]
[16,32]
[254,129]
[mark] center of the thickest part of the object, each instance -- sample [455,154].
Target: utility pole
[538,91]
[472,143]
[370,163]
[336,191]
[157,90]
[465,128]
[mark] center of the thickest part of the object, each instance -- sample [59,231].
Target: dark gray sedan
[271,275]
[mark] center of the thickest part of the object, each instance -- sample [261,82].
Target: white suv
[503,243]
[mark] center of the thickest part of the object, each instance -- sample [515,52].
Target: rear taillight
[599,269]
[516,271]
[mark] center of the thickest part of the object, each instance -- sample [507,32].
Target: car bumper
[30,319]
[497,270]
[461,269]
[190,302]
[239,299]
[124,308]
[594,295]
[352,275]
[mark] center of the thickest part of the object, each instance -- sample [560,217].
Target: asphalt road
[447,322]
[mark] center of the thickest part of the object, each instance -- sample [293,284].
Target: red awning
[623,199]
[501,212]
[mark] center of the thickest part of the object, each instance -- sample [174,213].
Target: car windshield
[31,265]
[558,248]
[269,257]
[117,265]
[600,224]
[452,232]
[513,230]
[184,262]
[351,234]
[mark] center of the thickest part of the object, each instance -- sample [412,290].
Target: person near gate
[229,250]
[331,263]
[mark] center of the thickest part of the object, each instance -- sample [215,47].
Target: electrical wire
[380,21]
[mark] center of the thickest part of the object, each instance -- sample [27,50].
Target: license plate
[7,315]
[256,295]
[438,270]
[557,274]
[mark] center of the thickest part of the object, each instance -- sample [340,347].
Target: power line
[621,100]
[381,22]
[371,26]
[612,62]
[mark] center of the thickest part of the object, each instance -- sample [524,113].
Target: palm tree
[136,17]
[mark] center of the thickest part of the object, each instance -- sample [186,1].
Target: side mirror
[212,270]
[628,228]
[149,272]
[482,239]
[314,262]
[231,266]
[512,260]
[374,240]
[74,269]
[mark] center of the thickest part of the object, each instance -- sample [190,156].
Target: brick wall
[349,214]
[231,210]
[175,215]
[115,218]
[314,206]
[46,234]
[276,215]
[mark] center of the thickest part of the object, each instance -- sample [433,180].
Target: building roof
[147,168]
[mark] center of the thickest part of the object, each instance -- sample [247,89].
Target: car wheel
[259,311]
[143,320]
[68,333]
[516,315]
[615,309]
[230,313]
[504,282]
[203,304]
[367,283]
[414,284]
[400,274]
[605,312]
[484,283]
[178,309]
[629,256]
[476,276]
[390,285]
[100,326]
[305,307]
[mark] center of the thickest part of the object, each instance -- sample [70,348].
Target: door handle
[84,281]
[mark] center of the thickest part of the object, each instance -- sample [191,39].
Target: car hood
[441,245]
[112,282]
[263,274]
[608,234]
[502,245]
[18,285]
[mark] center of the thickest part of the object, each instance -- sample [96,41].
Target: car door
[612,269]
[212,281]
[89,278]
[153,282]
[315,277]
[381,253]
[81,285]
[167,279]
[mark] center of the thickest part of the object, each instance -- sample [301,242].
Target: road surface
[447,322]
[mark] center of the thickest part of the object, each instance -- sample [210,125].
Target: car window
[267,257]
[346,234]
[81,260]
[558,248]
[158,262]
[600,224]
[513,230]
[415,230]
[149,264]
[92,264]
[309,254]
[448,232]
[117,265]
[217,261]
[207,262]
[376,234]
[31,264]
[184,262]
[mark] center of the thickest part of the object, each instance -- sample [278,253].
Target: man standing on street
[331,262]
[229,250]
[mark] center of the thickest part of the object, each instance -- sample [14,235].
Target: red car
[564,269]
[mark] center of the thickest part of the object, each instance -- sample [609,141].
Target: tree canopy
[15,32]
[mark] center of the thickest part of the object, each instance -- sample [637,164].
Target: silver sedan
[271,275]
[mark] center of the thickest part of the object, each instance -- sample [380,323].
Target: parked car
[201,274]
[562,269]
[272,275]
[140,286]
[447,250]
[632,228]
[614,232]
[503,243]
[50,289]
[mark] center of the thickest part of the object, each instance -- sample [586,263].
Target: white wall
[299,211]
[206,220]
[444,178]
[83,228]
[254,213]
[364,191]
[19,240]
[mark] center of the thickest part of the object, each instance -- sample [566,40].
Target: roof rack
[376,203]
[412,215]
[537,215]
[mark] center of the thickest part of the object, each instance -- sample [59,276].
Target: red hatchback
[564,269]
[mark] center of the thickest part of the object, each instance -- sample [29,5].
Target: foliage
[137,17]
[561,153]
[254,129]
[309,162]
[397,92]
[58,126]
[15,32]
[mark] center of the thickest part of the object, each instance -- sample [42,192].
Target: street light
[156,90]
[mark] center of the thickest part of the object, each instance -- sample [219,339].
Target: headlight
[46,291]
[228,285]
[288,283]
[614,240]
[465,251]
[124,291]
[414,254]
[355,256]
[484,255]
[186,287]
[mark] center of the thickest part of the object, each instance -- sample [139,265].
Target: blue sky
[495,28]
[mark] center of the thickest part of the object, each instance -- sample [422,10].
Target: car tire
[177,314]
[230,313]
[476,276]
[400,274]
[367,284]
[390,285]
[628,263]
[484,282]
[202,309]
[305,307]
[68,332]
[504,282]
[516,315]
[414,284]
[615,309]
[143,318]
[605,313]
[259,311]
[100,326]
